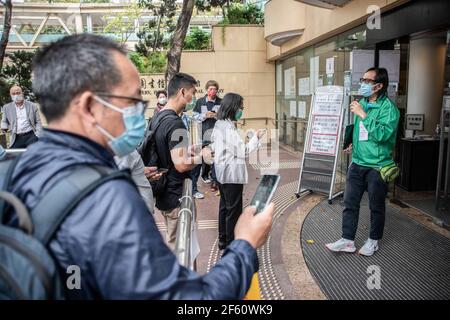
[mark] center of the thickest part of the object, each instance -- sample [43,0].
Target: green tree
[244,14]
[156,63]
[17,71]
[197,39]
[155,35]
[122,23]
[7,4]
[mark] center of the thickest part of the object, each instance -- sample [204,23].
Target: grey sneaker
[198,195]
[369,248]
[342,245]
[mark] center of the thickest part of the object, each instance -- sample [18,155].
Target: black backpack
[27,269]
[149,151]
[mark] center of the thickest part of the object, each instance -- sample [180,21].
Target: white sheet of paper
[390,59]
[279,78]
[313,73]
[361,60]
[363,133]
[303,87]
[293,108]
[302,109]
[330,66]
[289,82]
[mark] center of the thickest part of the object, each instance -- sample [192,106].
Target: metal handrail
[186,220]
[188,213]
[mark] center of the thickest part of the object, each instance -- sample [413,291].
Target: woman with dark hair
[229,162]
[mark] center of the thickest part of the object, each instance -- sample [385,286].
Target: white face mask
[17,98]
[162,101]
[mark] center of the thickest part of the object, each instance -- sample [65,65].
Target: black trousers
[230,209]
[360,179]
[24,140]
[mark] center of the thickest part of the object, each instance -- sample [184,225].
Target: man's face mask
[134,121]
[17,98]
[366,89]
[191,105]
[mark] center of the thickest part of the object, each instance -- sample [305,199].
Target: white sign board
[415,121]
[325,120]
[323,136]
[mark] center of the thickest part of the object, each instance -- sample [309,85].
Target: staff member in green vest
[374,134]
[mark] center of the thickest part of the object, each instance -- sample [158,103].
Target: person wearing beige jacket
[21,119]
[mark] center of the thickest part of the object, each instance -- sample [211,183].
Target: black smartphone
[162,170]
[265,191]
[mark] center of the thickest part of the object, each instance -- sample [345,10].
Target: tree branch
[6,29]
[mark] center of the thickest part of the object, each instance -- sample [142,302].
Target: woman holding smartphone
[230,152]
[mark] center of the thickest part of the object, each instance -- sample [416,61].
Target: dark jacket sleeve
[122,254]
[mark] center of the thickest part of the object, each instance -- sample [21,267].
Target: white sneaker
[342,245]
[369,248]
[206,181]
[198,195]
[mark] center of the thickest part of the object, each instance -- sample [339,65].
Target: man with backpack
[90,94]
[172,148]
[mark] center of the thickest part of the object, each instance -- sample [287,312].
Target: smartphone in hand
[162,170]
[265,191]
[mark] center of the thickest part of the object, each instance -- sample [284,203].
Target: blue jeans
[360,179]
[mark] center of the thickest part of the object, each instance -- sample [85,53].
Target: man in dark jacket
[90,94]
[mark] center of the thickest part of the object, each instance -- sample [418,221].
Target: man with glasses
[90,94]
[374,134]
